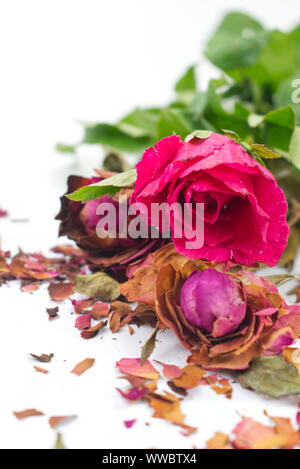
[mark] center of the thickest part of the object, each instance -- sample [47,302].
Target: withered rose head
[225,318]
[79,222]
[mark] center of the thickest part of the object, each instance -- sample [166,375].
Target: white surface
[92,60]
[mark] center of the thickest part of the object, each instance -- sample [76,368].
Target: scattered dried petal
[292,356]
[170,371]
[221,386]
[41,370]
[133,367]
[56,421]
[254,435]
[219,441]
[99,310]
[24,414]
[81,305]
[167,407]
[83,366]
[31,287]
[134,394]
[60,291]
[120,314]
[83,322]
[52,312]
[190,378]
[129,423]
[93,331]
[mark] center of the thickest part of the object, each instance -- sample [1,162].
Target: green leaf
[277,128]
[112,136]
[109,186]
[277,61]
[173,121]
[214,112]
[264,152]
[64,148]
[245,50]
[98,285]
[287,92]
[140,123]
[294,149]
[186,86]
[272,376]
[149,345]
[232,134]
[187,82]
[237,43]
[202,134]
[295,35]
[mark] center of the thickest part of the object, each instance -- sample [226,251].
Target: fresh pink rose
[244,209]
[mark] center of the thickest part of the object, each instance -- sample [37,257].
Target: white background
[63,61]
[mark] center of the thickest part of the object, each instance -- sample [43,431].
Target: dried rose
[244,209]
[226,319]
[79,222]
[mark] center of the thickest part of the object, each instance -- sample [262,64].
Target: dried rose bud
[214,302]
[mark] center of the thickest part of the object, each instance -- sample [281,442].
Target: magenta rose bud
[213,302]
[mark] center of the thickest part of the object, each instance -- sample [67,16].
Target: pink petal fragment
[170,371]
[132,366]
[129,423]
[134,394]
[83,322]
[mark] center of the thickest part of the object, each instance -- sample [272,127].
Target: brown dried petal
[24,414]
[60,291]
[83,366]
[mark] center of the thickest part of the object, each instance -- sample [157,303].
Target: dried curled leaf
[281,279]
[44,358]
[98,285]
[272,376]
[59,443]
[149,345]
